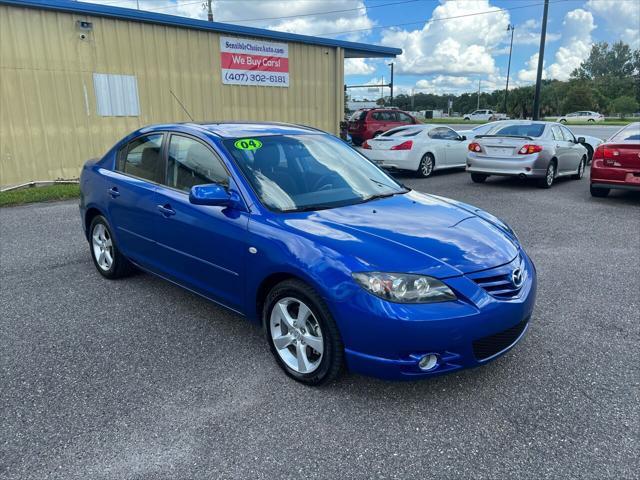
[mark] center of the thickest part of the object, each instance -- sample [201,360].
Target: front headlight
[404,287]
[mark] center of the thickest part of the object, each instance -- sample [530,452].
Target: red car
[616,163]
[370,122]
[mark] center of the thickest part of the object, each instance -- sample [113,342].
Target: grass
[62,191]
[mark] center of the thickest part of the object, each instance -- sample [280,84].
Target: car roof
[248,129]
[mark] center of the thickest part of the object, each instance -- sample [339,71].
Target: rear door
[131,195]
[563,152]
[203,247]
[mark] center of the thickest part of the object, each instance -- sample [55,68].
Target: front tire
[599,192]
[562,120]
[549,176]
[427,163]
[580,173]
[106,256]
[479,177]
[302,334]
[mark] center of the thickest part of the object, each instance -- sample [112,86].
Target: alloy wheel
[550,174]
[102,246]
[426,166]
[296,335]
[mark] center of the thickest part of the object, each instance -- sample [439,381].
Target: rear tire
[106,256]
[599,192]
[591,120]
[479,177]
[563,121]
[427,164]
[583,163]
[549,177]
[318,327]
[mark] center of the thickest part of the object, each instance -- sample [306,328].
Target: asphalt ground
[138,378]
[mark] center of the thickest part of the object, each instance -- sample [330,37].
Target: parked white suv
[584,116]
[488,115]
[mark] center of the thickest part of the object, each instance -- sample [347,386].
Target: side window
[389,116]
[141,158]
[192,163]
[377,116]
[437,133]
[404,118]
[449,134]
[568,136]
[557,133]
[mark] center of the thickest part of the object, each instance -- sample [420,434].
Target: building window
[116,95]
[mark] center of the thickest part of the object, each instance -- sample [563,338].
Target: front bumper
[387,340]
[530,166]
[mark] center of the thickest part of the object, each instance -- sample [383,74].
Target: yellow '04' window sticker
[248,144]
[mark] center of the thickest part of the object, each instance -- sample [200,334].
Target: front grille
[486,347]
[498,281]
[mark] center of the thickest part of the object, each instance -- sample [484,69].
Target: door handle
[166,210]
[113,191]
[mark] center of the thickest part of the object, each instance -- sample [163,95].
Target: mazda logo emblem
[517,277]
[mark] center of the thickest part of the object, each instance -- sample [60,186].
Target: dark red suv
[369,122]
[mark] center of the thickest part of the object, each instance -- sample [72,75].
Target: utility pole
[209,7]
[413,93]
[391,85]
[478,107]
[543,36]
[506,90]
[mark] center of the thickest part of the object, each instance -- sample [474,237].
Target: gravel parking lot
[141,379]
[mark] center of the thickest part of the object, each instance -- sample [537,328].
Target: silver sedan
[527,149]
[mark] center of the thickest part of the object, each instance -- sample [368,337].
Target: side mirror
[210,194]
[462,138]
[582,140]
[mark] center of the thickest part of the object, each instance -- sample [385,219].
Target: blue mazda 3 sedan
[342,266]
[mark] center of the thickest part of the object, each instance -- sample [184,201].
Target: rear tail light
[403,146]
[366,145]
[610,155]
[475,147]
[529,149]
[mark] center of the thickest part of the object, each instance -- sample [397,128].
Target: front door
[204,247]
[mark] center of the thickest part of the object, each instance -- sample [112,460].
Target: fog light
[428,362]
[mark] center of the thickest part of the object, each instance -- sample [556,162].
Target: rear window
[358,115]
[530,130]
[402,132]
[630,133]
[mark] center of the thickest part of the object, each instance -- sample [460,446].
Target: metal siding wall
[47,129]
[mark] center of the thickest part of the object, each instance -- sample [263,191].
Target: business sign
[254,62]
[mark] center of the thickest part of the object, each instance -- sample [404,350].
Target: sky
[449,46]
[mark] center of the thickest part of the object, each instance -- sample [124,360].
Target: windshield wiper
[380,195]
[382,184]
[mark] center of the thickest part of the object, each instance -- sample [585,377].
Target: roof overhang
[351,49]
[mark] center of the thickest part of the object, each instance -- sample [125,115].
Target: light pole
[543,36]
[478,107]
[506,90]
[391,85]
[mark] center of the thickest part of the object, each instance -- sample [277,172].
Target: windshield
[521,130]
[308,172]
[358,115]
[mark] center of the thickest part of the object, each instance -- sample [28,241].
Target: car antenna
[183,107]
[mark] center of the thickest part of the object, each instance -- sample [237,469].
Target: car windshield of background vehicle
[309,172]
[530,130]
[403,132]
[630,133]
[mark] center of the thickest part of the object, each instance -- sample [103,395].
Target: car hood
[413,232]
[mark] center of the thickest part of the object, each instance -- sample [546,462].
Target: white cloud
[268,13]
[528,33]
[460,46]
[576,43]
[357,66]
[528,74]
[622,18]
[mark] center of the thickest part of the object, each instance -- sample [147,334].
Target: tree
[623,105]
[579,97]
[617,61]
